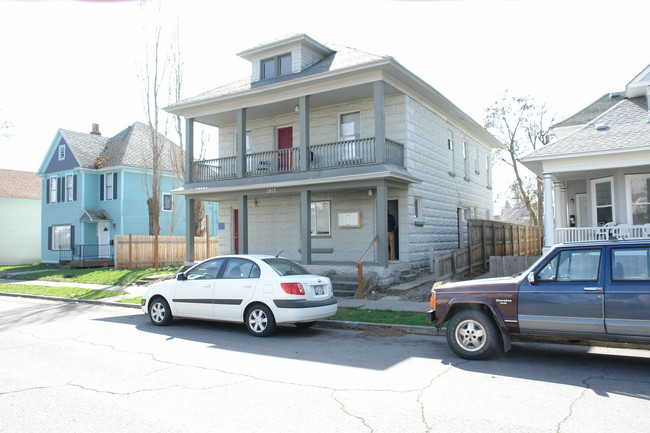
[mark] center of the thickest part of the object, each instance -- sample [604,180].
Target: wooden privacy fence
[486,239]
[140,251]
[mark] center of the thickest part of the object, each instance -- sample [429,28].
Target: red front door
[285,143]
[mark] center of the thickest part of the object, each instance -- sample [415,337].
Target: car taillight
[432,303]
[293,288]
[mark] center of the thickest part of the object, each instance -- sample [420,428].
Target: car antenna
[278,254]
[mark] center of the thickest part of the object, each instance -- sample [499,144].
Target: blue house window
[62,152]
[168,203]
[108,186]
[60,237]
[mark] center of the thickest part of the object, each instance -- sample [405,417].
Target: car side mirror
[181,277]
[531,278]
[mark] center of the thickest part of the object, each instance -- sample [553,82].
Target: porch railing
[328,155]
[84,253]
[621,231]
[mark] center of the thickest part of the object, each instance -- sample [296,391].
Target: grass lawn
[135,300]
[108,276]
[25,268]
[381,316]
[61,292]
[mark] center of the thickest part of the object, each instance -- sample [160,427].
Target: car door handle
[207,285]
[248,286]
[593,289]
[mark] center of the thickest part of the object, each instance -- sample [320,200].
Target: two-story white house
[321,143]
[597,175]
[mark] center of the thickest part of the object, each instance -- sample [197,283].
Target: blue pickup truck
[595,291]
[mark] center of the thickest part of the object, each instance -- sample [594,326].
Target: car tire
[159,312]
[472,334]
[304,325]
[259,320]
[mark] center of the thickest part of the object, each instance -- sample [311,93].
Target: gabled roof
[623,127]
[85,147]
[20,185]
[592,111]
[132,148]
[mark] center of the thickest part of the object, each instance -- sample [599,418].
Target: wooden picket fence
[487,239]
[140,251]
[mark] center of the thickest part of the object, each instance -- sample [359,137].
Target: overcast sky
[68,64]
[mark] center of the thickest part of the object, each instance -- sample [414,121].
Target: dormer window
[62,152]
[276,66]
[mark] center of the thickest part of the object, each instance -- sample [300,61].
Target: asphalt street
[81,368]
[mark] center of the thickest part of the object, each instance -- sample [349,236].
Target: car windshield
[286,267]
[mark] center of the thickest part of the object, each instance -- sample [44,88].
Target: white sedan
[259,291]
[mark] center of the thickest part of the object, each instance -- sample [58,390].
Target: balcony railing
[621,231]
[329,155]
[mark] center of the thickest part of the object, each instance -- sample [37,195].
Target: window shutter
[49,238]
[114,186]
[74,187]
[101,187]
[47,191]
[72,238]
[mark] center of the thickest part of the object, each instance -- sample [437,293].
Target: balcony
[322,156]
[621,231]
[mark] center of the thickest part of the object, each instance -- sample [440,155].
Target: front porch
[608,231]
[87,256]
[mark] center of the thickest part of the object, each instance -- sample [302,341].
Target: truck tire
[472,334]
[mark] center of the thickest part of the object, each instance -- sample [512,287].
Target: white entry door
[104,240]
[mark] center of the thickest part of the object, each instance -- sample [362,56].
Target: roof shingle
[20,185]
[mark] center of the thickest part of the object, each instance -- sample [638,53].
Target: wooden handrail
[360,268]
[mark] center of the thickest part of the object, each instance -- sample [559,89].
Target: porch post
[563,208]
[305,154]
[189,149]
[381,205]
[305,226]
[240,146]
[380,122]
[549,227]
[243,224]
[189,231]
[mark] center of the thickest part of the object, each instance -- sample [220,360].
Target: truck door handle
[593,289]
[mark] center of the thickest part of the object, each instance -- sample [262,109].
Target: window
[61,237]
[206,271]
[168,203]
[241,268]
[69,187]
[572,265]
[638,198]
[631,264]
[62,152]
[466,160]
[417,205]
[450,148]
[350,126]
[601,191]
[286,267]
[488,170]
[276,66]
[320,218]
[477,167]
[52,189]
[108,186]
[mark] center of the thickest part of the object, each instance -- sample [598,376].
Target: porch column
[305,226]
[189,149]
[243,224]
[240,146]
[305,154]
[549,227]
[189,231]
[562,208]
[381,205]
[380,122]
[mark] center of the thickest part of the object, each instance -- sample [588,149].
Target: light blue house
[96,187]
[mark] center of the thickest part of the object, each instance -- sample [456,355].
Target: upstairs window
[452,156]
[466,159]
[62,152]
[52,190]
[108,186]
[168,203]
[276,66]
[350,128]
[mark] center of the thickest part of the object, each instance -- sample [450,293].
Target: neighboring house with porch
[96,187]
[20,219]
[597,175]
[321,143]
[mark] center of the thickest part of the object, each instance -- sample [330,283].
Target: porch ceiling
[316,100]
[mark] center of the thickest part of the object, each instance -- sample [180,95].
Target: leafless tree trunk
[521,126]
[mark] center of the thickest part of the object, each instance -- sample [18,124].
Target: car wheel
[259,321]
[159,312]
[304,325]
[472,334]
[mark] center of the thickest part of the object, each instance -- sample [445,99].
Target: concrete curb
[331,324]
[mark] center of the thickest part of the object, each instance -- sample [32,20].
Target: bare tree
[521,126]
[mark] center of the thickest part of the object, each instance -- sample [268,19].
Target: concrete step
[346,285]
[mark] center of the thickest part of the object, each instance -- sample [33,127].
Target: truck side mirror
[531,278]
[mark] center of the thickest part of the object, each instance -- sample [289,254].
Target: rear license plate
[319,290]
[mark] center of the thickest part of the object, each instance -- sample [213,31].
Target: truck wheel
[472,334]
